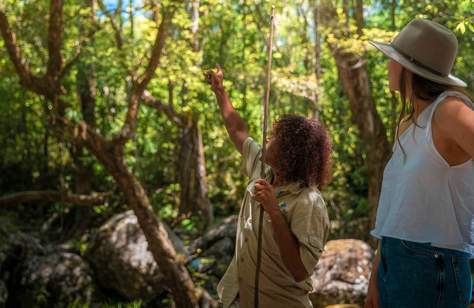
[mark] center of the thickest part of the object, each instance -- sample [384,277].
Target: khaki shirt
[306,213]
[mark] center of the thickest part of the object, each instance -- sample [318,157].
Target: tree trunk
[78,218]
[192,173]
[352,71]
[355,81]
[345,8]
[110,153]
[190,165]
[172,265]
[180,284]
[359,16]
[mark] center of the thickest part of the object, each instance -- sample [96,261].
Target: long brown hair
[423,89]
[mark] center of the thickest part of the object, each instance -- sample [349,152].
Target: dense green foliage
[232,33]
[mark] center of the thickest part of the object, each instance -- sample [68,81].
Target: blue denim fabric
[417,275]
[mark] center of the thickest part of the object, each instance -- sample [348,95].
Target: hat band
[414,61]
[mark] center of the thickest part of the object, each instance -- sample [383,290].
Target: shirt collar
[291,188]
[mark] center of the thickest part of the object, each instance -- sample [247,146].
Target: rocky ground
[117,264]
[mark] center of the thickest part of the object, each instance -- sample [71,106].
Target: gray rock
[55,279]
[38,276]
[3,293]
[221,252]
[213,251]
[342,274]
[15,247]
[119,254]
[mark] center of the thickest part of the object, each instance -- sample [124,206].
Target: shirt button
[246,240]
[241,259]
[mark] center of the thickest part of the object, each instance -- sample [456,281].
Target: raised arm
[234,124]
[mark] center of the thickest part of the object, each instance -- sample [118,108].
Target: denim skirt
[417,275]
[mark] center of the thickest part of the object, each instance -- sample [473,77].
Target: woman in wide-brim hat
[425,213]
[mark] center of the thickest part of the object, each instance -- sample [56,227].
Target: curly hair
[304,150]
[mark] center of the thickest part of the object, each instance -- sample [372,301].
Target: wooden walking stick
[264,146]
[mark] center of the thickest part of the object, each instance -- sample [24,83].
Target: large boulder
[216,246]
[15,247]
[122,262]
[3,293]
[3,273]
[342,274]
[55,279]
[34,275]
[212,252]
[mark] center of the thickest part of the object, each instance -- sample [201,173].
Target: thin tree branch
[13,48]
[167,109]
[82,133]
[55,36]
[24,73]
[70,63]
[82,44]
[139,84]
[117,32]
[156,52]
[54,196]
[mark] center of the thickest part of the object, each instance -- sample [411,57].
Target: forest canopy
[104,108]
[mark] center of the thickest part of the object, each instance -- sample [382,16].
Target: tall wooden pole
[264,146]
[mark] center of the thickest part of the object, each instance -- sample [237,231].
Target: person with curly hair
[296,222]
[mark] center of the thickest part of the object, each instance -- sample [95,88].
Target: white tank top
[423,199]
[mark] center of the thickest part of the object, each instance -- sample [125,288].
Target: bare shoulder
[451,108]
[451,114]
[451,99]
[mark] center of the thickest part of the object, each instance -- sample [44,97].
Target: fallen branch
[54,196]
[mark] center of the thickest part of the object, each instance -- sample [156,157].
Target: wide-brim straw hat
[425,48]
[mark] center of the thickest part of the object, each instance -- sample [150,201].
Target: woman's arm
[372,300]
[235,126]
[288,246]
[286,241]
